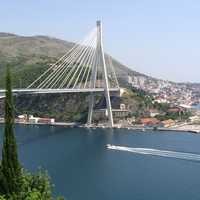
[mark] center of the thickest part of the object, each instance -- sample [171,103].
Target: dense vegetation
[15,182]
[181,116]
[23,73]
[139,102]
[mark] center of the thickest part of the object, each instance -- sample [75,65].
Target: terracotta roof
[168,121]
[149,121]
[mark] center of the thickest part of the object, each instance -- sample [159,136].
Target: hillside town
[182,100]
[181,94]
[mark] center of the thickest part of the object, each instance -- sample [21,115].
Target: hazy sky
[157,37]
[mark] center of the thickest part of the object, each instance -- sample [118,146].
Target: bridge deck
[52,91]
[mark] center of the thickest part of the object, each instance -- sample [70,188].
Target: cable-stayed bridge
[84,68]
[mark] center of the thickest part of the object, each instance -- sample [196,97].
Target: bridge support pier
[91,107]
[100,60]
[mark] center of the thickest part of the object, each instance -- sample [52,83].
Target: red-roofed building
[149,121]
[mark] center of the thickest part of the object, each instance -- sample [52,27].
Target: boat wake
[157,152]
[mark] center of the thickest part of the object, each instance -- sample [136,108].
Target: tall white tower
[100,61]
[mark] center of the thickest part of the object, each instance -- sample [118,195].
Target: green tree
[16,183]
[10,177]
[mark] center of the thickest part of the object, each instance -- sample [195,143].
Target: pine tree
[10,169]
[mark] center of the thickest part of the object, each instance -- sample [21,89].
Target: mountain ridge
[32,49]
[39,51]
[15,45]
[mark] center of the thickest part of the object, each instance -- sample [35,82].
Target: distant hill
[2,34]
[32,55]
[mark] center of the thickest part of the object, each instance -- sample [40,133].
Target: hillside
[30,56]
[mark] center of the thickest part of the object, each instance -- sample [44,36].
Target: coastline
[181,128]
[68,124]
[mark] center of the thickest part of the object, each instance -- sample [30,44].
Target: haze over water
[82,167]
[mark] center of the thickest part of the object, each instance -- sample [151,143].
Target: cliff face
[62,107]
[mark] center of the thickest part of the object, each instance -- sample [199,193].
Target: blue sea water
[82,168]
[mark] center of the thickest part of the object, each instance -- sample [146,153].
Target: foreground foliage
[10,169]
[34,187]
[16,183]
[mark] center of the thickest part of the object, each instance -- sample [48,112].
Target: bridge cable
[70,59]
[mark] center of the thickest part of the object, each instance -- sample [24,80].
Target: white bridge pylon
[84,68]
[100,62]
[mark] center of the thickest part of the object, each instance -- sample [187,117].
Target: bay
[82,167]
